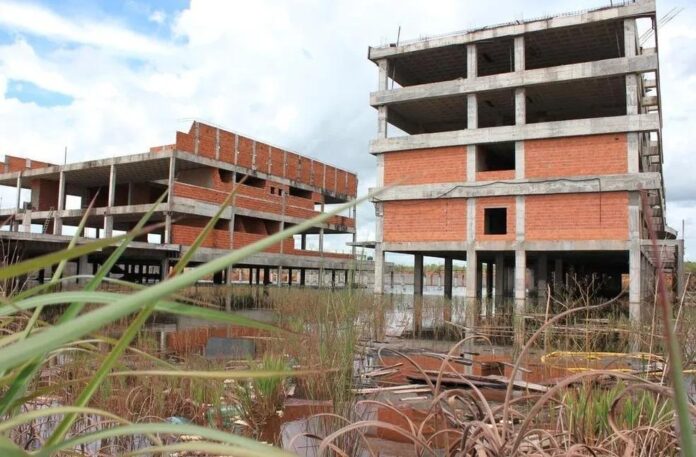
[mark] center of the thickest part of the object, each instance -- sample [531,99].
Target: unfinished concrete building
[280,189]
[531,150]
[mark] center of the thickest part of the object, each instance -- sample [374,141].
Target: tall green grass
[25,353]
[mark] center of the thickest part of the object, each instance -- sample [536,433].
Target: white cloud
[26,17]
[157,16]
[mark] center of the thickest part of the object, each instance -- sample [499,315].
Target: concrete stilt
[258,276]
[302,276]
[418,274]
[333,279]
[472,306]
[289,276]
[542,277]
[83,269]
[164,269]
[520,295]
[499,280]
[379,269]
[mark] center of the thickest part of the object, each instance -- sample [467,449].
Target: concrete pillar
[418,274]
[448,277]
[170,201]
[26,221]
[520,291]
[345,278]
[108,218]
[499,279]
[520,297]
[83,269]
[164,269]
[382,113]
[321,250]
[681,279]
[289,276]
[471,61]
[472,310]
[542,277]
[519,53]
[57,219]
[489,280]
[302,276]
[251,276]
[266,276]
[635,296]
[379,269]
[279,279]
[479,279]
[258,275]
[333,279]
[303,241]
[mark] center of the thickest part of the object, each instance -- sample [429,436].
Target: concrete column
[18,204]
[170,201]
[333,279]
[83,269]
[164,269]
[680,268]
[542,278]
[266,276]
[303,241]
[251,276]
[379,269]
[520,296]
[26,221]
[448,277]
[520,280]
[519,53]
[471,61]
[345,278]
[418,274]
[489,280]
[57,219]
[499,279]
[108,218]
[289,276]
[472,111]
[258,275]
[471,163]
[382,113]
[634,258]
[472,309]
[471,72]
[479,279]
[302,276]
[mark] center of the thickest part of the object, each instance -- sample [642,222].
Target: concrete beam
[596,183]
[435,247]
[557,129]
[527,78]
[640,8]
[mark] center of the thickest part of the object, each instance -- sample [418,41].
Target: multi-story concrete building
[532,149]
[201,168]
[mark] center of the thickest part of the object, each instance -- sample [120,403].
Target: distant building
[281,189]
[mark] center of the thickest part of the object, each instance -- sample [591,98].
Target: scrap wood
[403,388]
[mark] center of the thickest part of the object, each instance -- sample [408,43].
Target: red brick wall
[576,156]
[424,166]
[267,159]
[497,175]
[47,192]
[495,202]
[186,234]
[577,216]
[425,220]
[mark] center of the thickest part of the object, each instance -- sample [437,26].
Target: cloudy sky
[115,77]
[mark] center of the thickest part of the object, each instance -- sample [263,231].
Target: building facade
[276,189]
[529,149]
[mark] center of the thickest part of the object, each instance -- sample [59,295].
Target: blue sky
[106,78]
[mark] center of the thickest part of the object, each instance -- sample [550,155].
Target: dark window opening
[496,108]
[495,221]
[225,175]
[252,181]
[272,190]
[495,56]
[297,192]
[495,156]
